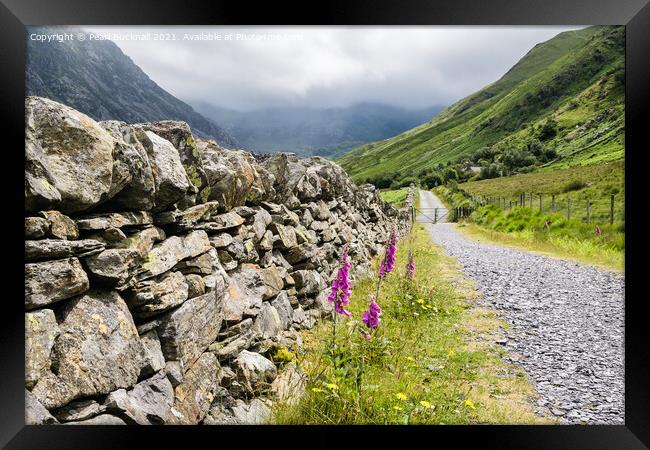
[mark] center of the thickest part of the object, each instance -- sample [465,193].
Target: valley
[561,105]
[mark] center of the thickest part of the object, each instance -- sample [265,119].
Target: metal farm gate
[440,215]
[432,215]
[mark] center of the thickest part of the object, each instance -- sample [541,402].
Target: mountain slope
[576,79]
[96,78]
[327,132]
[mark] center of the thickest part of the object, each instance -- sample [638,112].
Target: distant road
[428,201]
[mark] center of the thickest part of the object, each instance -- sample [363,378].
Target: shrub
[450,174]
[575,185]
[536,148]
[517,158]
[548,130]
[491,171]
[432,180]
[405,182]
[381,181]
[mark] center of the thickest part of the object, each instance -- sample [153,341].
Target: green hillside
[561,105]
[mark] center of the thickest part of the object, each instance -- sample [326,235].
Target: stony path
[566,319]
[428,202]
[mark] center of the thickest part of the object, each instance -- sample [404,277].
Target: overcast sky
[261,67]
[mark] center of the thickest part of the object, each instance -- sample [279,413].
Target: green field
[596,183]
[567,236]
[561,105]
[395,197]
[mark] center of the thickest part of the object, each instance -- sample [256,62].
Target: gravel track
[566,319]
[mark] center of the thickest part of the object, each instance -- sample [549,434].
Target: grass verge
[433,359]
[561,248]
[525,229]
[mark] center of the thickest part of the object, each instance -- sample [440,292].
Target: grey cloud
[330,66]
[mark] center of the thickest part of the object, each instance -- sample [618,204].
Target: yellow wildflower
[316,390]
[425,403]
[398,408]
[331,386]
[420,301]
[401,396]
[410,358]
[451,353]
[469,404]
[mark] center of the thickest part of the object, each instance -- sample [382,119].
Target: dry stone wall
[164,274]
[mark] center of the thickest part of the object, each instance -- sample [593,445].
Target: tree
[550,154]
[548,130]
[450,174]
[432,180]
[517,158]
[405,182]
[491,171]
[536,148]
[484,153]
[381,181]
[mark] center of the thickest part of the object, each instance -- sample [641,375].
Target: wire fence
[599,210]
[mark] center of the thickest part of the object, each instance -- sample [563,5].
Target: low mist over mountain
[328,132]
[98,79]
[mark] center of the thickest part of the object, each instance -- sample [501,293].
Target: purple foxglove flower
[371,317]
[598,232]
[389,259]
[338,307]
[340,293]
[411,266]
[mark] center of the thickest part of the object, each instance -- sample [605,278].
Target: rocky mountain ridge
[166,276]
[98,79]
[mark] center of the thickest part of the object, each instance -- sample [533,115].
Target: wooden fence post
[540,202]
[531,200]
[611,209]
[435,215]
[588,218]
[553,202]
[568,208]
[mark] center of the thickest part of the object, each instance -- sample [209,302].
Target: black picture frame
[15,15]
